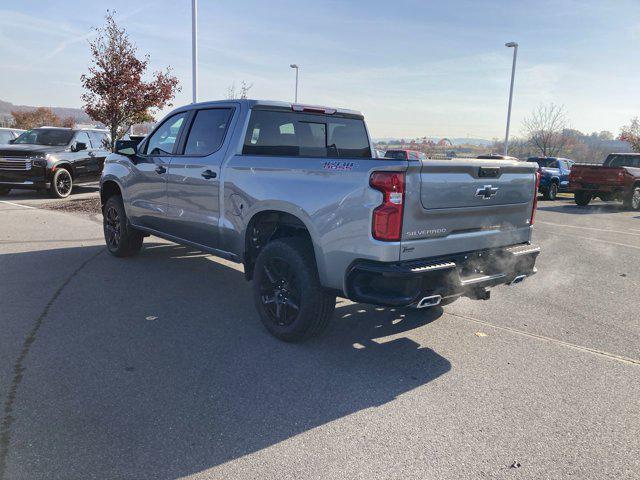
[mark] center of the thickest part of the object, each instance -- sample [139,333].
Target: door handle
[209,174]
[160,170]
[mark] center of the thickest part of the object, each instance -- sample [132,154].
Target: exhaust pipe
[431,301]
[517,280]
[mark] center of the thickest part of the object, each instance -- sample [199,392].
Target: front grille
[15,164]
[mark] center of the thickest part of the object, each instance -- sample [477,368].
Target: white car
[8,134]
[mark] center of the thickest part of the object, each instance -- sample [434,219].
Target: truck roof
[251,103]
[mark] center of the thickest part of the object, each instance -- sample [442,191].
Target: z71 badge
[340,166]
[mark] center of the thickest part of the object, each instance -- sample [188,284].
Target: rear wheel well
[267,226]
[108,190]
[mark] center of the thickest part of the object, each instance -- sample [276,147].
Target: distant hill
[62,112]
[454,141]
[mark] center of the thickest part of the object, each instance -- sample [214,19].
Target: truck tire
[122,240]
[287,292]
[551,192]
[582,198]
[4,191]
[61,184]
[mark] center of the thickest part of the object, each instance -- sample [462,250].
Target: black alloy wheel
[112,227]
[279,292]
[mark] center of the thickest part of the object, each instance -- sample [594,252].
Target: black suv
[52,158]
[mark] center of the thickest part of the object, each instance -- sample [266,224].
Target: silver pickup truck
[295,193]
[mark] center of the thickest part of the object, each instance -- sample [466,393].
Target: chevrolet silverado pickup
[618,178]
[295,193]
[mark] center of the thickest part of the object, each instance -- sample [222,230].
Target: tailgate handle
[489,172]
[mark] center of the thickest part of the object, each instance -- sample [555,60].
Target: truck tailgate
[462,205]
[597,175]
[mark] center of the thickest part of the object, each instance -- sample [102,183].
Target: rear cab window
[622,161]
[284,133]
[397,154]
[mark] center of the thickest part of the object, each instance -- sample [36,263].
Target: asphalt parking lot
[158,367]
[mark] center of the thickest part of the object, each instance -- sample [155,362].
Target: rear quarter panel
[331,197]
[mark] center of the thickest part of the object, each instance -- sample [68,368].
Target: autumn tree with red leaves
[117,94]
[38,117]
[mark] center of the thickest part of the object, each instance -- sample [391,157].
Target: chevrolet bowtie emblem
[487,192]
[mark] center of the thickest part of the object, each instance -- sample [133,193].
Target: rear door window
[207,131]
[300,134]
[98,140]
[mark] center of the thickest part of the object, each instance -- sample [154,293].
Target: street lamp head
[511,44]
[293,65]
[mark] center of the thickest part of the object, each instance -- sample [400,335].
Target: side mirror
[126,147]
[79,146]
[12,141]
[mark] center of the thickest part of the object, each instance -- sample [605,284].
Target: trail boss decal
[340,166]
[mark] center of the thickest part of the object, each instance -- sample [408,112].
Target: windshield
[545,162]
[622,161]
[45,136]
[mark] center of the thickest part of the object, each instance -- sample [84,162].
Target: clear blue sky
[413,67]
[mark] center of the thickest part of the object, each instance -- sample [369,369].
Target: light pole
[513,45]
[194,48]
[293,65]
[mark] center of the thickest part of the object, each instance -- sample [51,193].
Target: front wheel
[582,198]
[287,292]
[122,240]
[61,184]
[634,199]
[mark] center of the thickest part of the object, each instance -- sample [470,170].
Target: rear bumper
[467,274]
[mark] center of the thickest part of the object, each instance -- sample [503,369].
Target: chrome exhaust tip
[431,301]
[517,280]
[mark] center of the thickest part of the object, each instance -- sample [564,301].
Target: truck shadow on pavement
[158,367]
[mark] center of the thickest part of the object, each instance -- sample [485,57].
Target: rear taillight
[387,218]
[535,199]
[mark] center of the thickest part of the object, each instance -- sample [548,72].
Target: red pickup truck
[618,178]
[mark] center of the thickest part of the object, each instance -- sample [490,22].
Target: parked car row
[52,159]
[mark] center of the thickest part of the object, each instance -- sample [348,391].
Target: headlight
[41,161]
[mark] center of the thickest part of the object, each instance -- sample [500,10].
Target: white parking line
[595,351]
[592,228]
[18,204]
[590,239]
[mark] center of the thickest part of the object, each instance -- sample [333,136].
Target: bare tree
[545,129]
[242,93]
[631,134]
